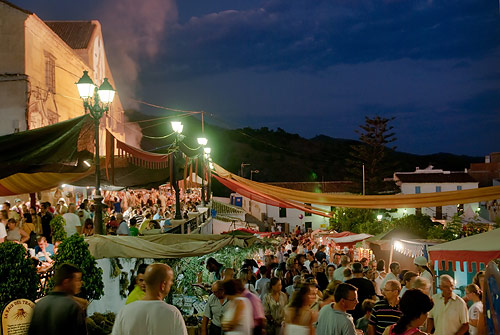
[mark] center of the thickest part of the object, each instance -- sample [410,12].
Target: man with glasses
[214,310]
[385,312]
[333,318]
[449,314]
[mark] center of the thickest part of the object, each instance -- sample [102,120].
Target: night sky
[310,67]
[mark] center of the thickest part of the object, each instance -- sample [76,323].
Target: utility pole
[363,179]
[242,167]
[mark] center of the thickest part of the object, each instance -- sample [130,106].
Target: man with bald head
[152,315]
[449,315]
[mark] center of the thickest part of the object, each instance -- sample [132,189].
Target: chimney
[487,159]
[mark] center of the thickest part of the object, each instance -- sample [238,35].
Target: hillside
[281,156]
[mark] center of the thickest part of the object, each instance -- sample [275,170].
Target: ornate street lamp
[96,102]
[202,141]
[177,127]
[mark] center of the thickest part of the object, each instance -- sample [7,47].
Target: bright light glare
[202,141]
[379,217]
[86,163]
[398,246]
[177,126]
[207,150]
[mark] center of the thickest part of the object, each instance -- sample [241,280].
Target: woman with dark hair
[299,317]
[475,295]
[379,277]
[414,305]
[238,316]
[274,306]
[88,229]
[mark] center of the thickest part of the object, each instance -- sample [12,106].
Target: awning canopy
[363,201]
[480,248]
[163,245]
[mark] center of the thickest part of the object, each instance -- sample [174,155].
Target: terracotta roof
[317,187]
[452,177]
[76,34]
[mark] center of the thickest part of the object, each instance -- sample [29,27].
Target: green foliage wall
[57,227]
[18,274]
[75,250]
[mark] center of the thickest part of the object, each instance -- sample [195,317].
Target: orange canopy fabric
[366,201]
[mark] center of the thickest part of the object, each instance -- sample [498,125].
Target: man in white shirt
[393,275]
[339,273]
[3,232]
[449,314]
[261,285]
[73,224]
[152,315]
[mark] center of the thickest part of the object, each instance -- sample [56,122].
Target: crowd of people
[305,288]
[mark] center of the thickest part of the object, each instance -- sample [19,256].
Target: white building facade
[430,180]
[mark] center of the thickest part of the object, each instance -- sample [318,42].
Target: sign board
[16,317]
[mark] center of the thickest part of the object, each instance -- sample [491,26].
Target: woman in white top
[238,317]
[474,294]
[379,277]
[299,317]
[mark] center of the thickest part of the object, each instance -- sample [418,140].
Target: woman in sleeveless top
[238,317]
[15,234]
[379,276]
[299,317]
[415,305]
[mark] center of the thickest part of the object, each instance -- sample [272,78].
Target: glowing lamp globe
[106,92]
[85,86]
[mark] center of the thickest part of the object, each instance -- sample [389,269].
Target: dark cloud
[314,35]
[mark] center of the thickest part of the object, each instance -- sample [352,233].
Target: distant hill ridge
[283,157]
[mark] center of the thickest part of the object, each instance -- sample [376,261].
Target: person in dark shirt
[366,290]
[320,254]
[58,312]
[46,217]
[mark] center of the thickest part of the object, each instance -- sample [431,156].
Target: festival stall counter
[344,242]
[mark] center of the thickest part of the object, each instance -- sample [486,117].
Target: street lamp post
[252,172]
[202,141]
[242,167]
[207,159]
[177,127]
[96,102]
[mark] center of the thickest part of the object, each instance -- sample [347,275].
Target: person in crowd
[152,315]
[37,221]
[320,276]
[227,274]
[294,287]
[330,269]
[292,270]
[73,224]
[3,229]
[365,287]
[422,284]
[414,307]
[27,223]
[408,279]
[320,254]
[386,312]
[395,270]
[347,274]
[44,251]
[88,228]
[449,314]
[329,294]
[261,286]
[474,294]
[299,318]
[333,319]
[134,231]
[245,275]
[46,217]
[425,271]
[57,312]
[215,267]
[123,229]
[364,263]
[274,307]
[339,273]
[139,289]
[379,277]
[237,318]
[214,310]
[309,258]
[479,279]
[259,318]
[364,321]
[15,234]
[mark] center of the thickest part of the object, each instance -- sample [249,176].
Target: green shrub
[75,250]
[57,227]
[18,274]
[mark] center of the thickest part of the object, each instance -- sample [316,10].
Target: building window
[307,213]
[50,73]
[438,188]
[308,226]
[417,189]
[459,187]
[282,212]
